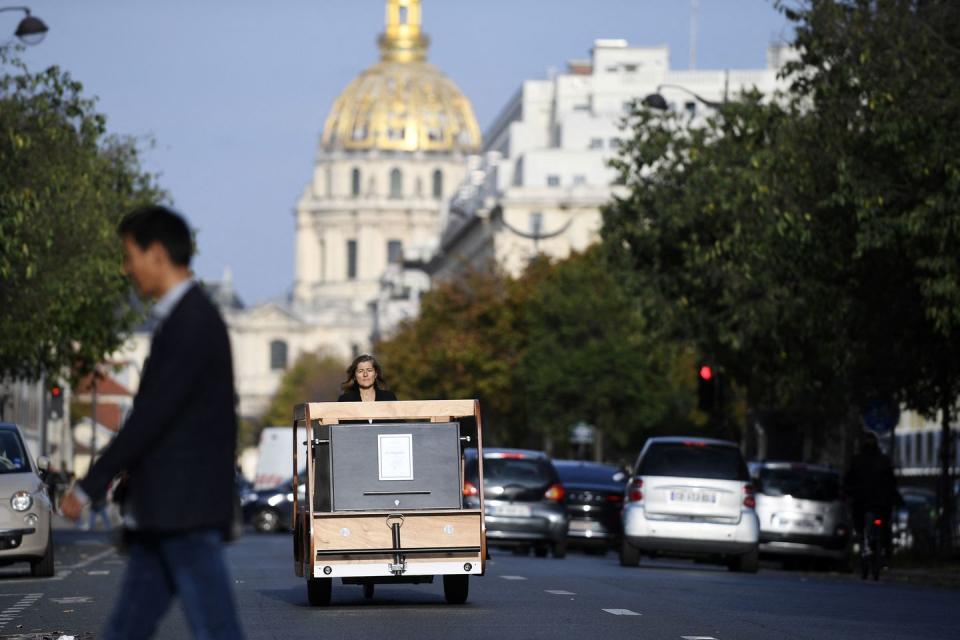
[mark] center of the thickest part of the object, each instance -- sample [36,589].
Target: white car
[691,497]
[25,506]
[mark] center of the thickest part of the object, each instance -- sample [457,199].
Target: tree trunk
[945,486]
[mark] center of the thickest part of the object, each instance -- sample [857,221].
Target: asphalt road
[520,597]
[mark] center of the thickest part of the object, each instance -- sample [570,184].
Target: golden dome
[402,103]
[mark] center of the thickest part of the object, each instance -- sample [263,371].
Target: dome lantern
[402,103]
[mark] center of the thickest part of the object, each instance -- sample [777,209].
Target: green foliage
[466,343]
[808,243]
[64,184]
[314,377]
[561,344]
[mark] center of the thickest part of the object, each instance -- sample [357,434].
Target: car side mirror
[43,464]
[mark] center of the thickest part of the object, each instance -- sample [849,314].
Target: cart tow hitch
[399,565]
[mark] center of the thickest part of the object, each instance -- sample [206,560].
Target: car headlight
[21,501]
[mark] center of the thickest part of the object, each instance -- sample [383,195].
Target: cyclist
[872,488]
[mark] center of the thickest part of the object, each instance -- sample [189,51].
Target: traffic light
[706,388]
[56,402]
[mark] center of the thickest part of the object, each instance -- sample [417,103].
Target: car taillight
[748,500]
[470,489]
[635,492]
[613,497]
[556,492]
[878,522]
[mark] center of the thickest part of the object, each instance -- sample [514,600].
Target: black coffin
[385,467]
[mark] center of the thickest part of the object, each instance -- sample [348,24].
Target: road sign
[582,433]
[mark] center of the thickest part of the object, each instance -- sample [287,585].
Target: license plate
[797,523]
[702,497]
[512,510]
[584,525]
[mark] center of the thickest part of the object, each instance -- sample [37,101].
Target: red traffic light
[706,373]
[56,391]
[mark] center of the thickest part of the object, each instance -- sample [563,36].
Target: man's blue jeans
[189,565]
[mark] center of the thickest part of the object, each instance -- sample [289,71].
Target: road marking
[622,612]
[10,613]
[98,573]
[73,600]
[698,638]
[558,592]
[513,577]
[91,559]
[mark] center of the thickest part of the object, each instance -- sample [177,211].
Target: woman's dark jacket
[353,395]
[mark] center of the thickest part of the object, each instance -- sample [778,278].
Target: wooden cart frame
[407,546]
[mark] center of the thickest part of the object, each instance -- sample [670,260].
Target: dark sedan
[594,498]
[271,510]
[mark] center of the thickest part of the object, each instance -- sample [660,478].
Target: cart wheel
[318,591]
[368,591]
[456,588]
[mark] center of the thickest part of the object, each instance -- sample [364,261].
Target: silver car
[691,497]
[25,506]
[801,511]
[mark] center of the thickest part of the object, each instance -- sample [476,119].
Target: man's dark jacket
[179,442]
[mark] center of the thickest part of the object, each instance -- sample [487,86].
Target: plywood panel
[399,410]
[454,529]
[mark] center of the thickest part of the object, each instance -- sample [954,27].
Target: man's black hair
[155,223]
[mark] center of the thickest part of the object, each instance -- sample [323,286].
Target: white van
[274,455]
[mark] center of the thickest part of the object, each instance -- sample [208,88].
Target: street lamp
[31,30]
[657,101]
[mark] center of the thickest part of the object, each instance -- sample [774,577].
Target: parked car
[269,510]
[801,511]
[524,500]
[25,525]
[594,499]
[915,524]
[691,497]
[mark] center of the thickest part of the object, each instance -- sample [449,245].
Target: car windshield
[575,473]
[805,484]
[693,460]
[12,457]
[527,472]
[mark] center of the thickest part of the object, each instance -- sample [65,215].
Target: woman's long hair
[351,381]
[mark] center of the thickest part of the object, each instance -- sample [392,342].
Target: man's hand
[71,506]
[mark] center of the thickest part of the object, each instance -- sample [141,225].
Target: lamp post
[657,101]
[31,29]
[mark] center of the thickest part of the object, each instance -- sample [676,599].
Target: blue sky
[235,93]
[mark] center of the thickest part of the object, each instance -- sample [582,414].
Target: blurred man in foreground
[177,446]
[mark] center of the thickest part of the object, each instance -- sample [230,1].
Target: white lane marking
[98,573]
[698,638]
[91,559]
[513,577]
[10,613]
[558,592]
[622,612]
[73,600]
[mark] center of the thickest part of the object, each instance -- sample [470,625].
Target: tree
[64,184]
[466,343]
[589,356]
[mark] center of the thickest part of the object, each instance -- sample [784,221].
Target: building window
[553,181]
[691,108]
[438,184]
[355,182]
[581,107]
[394,252]
[579,179]
[630,68]
[351,259]
[396,183]
[278,355]
[614,143]
[536,223]
[403,15]
[596,143]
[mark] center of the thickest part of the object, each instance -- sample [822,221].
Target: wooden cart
[383,501]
